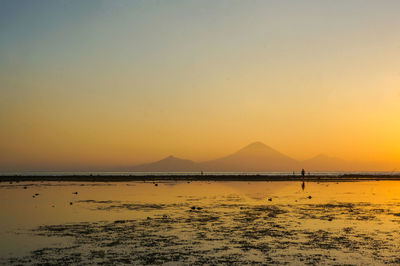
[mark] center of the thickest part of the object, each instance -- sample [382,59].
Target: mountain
[255,157]
[325,163]
[322,162]
[168,164]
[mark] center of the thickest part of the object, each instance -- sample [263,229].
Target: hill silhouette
[323,162]
[255,157]
[168,164]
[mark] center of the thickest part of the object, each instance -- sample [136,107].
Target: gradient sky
[88,83]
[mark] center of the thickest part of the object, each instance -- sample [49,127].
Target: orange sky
[119,83]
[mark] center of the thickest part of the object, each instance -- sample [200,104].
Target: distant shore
[205,177]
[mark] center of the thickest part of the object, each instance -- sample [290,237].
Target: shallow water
[200,222]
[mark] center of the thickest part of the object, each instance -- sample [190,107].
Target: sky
[91,83]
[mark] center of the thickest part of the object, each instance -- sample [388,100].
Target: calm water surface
[200,222]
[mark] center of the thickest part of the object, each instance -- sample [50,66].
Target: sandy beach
[199,222]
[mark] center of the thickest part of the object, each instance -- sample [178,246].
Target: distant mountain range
[256,157]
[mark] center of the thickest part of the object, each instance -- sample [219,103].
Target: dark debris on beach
[229,233]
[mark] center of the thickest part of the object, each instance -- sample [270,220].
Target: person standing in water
[303,174]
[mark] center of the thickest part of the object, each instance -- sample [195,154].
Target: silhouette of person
[303,173]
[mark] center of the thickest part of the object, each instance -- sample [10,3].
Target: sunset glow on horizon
[85,84]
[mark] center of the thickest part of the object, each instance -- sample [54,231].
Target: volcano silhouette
[255,157]
[168,164]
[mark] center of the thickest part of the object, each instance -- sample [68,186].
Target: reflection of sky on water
[366,206]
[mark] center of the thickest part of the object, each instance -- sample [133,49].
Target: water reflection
[200,222]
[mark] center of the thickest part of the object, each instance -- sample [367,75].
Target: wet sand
[186,222]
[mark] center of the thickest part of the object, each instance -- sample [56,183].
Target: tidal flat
[200,222]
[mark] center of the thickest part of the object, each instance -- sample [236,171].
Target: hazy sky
[124,82]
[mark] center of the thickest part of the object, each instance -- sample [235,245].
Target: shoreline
[150,177]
